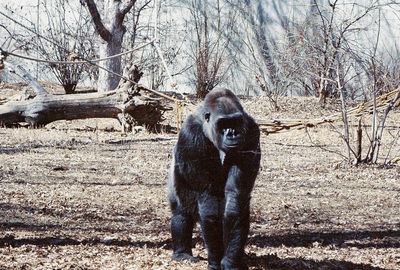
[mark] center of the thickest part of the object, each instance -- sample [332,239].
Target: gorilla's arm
[240,182]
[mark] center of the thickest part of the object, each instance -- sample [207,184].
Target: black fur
[215,164]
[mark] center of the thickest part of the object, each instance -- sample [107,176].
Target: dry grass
[76,199]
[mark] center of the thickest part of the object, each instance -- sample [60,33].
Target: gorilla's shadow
[79,183]
[270,261]
[273,262]
[134,141]
[67,241]
[359,239]
[20,149]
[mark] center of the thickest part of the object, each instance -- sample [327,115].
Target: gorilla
[215,163]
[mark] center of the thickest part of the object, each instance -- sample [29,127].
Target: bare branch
[98,23]
[128,6]
[20,71]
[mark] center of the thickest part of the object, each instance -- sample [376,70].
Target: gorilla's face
[224,124]
[229,131]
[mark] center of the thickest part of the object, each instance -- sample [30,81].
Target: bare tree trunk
[345,119]
[106,80]
[111,29]
[359,142]
[110,46]
[322,90]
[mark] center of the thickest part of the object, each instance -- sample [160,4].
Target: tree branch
[21,72]
[127,7]
[98,23]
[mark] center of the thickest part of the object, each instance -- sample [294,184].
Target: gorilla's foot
[229,265]
[214,267]
[184,257]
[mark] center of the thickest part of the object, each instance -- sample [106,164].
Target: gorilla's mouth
[232,138]
[231,145]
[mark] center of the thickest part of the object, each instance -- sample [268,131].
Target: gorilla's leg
[236,220]
[182,224]
[211,213]
[236,229]
[181,230]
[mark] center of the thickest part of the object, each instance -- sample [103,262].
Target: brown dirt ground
[73,196]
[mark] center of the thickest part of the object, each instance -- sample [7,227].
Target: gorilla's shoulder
[192,136]
[253,132]
[192,125]
[252,123]
[191,128]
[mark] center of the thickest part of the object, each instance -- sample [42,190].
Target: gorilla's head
[224,120]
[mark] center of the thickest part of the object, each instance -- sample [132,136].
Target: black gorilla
[215,164]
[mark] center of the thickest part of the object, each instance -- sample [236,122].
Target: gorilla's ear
[207,116]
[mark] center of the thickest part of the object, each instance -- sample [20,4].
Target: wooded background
[269,47]
[343,52]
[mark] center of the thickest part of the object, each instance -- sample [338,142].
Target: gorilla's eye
[207,116]
[230,123]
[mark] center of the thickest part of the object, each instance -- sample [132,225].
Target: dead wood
[127,103]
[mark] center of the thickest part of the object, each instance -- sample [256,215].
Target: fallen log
[127,103]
